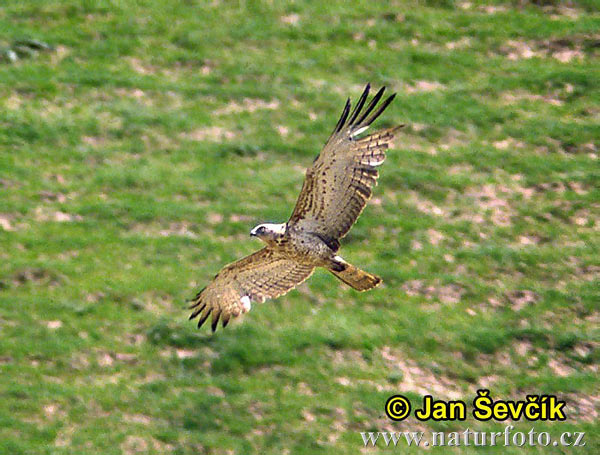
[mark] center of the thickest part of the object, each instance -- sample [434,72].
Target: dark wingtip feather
[343,117]
[203,318]
[370,107]
[197,311]
[360,104]
[395,129]
[361,118]
[225,319]
[215,320]
[380,109]
[195,299]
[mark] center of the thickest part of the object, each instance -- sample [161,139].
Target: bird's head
[268,232]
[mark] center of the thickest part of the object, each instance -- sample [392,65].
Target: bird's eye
[261,230]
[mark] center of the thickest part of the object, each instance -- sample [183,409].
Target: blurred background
[141,141]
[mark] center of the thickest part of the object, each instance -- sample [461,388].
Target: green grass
[135,159]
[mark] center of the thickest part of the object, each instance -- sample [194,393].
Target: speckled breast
[306,247]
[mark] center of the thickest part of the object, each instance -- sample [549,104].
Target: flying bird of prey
[336,189]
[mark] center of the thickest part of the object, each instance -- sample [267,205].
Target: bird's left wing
[262,275]
[338,184]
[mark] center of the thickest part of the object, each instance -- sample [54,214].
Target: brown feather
[263,275]
[335,191]
[339,183]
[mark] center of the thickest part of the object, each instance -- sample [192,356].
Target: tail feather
[355,277]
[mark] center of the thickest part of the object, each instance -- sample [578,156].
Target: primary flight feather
[335,191]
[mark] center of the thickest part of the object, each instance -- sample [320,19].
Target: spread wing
[262,275]
[338,184]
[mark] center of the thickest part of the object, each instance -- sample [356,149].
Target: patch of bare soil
[495,204]
[48,214]
[418,379]
[589,148]
[174,229]
[511,97]
[305,389]
[348,357]
[53,325]
[141,67]
[587,272]
[582,407]
[237,218]
[587,217]
[492,9]
[462,43]
[136,94]
[142,445]
[435,237]
[521,298]
[137,418]
[559,363]
[247,105]
[452,138]
[508,144]
[185,353]
[422,87]
[426,206]
[290,19]
[447,294]
[339,424]
[492,200]
[565,50]
[35,275]
[5,222]
[211,133]
[153,302]
[531,239]
[50,196]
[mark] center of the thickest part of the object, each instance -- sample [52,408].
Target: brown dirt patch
[521,298]
[511,97]
[447,294]
[565,50]
[143,445]
[47,214]
[342,357]
[422,87]
[53,325]
[50,196]
[5,222]
[418,379]
[462,43]
[211,133]
[426,206]
[247,105]
[492,201]
[35,275]
[290,19]
[508,144]
[141,67]
[174,229]
[582,407]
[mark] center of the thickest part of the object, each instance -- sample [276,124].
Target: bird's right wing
[338,184]
[263,275]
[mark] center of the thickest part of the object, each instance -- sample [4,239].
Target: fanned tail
[356,278]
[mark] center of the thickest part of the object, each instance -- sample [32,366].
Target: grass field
[136,157]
